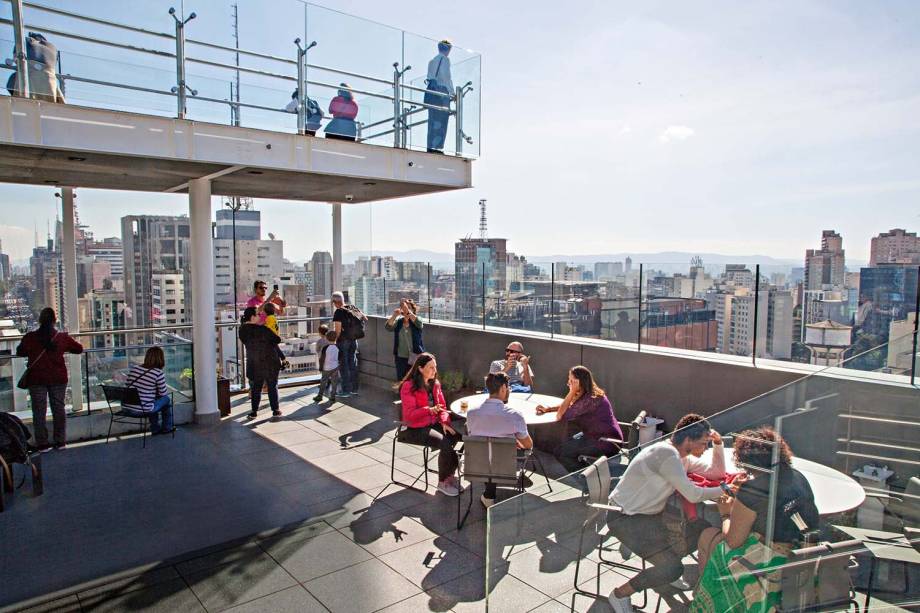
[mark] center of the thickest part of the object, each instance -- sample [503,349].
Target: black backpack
[14,439]
[353,326]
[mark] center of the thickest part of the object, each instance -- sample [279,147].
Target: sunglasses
[512,351]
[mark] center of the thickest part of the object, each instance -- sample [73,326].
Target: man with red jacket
[46,377]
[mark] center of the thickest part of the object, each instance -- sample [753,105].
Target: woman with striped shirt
[150,383]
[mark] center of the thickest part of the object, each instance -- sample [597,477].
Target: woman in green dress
[729,555]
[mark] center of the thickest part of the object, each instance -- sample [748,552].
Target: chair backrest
[597,476]
[818,576]
[121,395]
[908,509]
[490,459]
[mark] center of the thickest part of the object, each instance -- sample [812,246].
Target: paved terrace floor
[294,515]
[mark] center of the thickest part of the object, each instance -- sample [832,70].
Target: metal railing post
[181,87]
[429,294]
[552,299]
[86,382]
[22,63]
[399,123]
[756,312]
[302,85]
[913,355]
[458,121]
[639,314]
[483,295]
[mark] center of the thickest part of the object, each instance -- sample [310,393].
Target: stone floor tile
[362,588]
[467,593]
[432,562]
[387,533]
[292,600]
[239,582]
[308,558]
[342,462]
[167,597]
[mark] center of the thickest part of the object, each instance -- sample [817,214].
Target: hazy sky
[728,127]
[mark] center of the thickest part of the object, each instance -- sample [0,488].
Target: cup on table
[464,405]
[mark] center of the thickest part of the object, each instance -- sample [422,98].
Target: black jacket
[262,361]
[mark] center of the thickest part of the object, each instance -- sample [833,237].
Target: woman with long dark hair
[425,412]
[262,361]
[589,414]
[46,376]
[406,327]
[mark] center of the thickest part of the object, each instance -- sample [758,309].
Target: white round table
[523,402]
[834,491]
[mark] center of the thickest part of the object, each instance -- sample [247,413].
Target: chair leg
[111,421]
[542,470]
[410,486]
[38,482]
[144,433]
[469,507]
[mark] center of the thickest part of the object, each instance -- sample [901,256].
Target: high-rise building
[607,271]
[107,312]
[248,223]
[44,266]
[897,246]
[256,259]
[627,268]
[887,293]
[153,243]
[322,274]
[479,263]
[779,324]
[108,250]
[369,296]
[825,267]
[167,298]
[5,273]
[739,275]
[735,315]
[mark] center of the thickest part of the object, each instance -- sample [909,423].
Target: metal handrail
[183,90]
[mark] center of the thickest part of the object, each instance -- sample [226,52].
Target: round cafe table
[834,491]
[523,402]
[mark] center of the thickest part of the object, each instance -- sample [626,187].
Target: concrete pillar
[337,248]
[203,331]
[70,318]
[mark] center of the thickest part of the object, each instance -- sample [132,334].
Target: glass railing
[741,310]
[244,65]
[854,442]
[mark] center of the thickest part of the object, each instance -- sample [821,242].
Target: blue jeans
[348,364]
[437,128]
[520,387]
[161,406]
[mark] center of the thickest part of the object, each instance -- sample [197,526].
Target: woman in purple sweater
[589,415]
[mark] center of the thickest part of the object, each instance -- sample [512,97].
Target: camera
[349,197]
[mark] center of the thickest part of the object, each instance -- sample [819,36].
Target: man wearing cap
[440,89]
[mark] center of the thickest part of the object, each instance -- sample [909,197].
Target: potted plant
[454,384]
[223,389]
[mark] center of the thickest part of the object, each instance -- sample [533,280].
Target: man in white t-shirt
[642,493]
[517,366]
[495,418]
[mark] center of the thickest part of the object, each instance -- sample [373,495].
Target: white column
[337,248]
[71,316]
[203,331]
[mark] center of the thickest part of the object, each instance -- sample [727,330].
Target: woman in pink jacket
[344,109]
[425,412]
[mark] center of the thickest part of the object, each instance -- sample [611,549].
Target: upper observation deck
[288,100]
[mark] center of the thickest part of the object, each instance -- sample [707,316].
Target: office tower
[322,274]
[167,298]
[887,293]
[107,312]
[5,273]
[779,324]
[414,272]
[897,246]
[108,250]
[628,266]
[248,224]
[478,263]
[369,296]
[684,323]
[43,268]
[153,243]
[825,267]
[739,275]
[735,318]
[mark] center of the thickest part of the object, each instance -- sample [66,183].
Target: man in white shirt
[495,418]
[440,90]
[642,493]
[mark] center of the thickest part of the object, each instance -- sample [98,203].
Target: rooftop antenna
[483,229]
[35,230]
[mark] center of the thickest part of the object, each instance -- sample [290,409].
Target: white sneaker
[486,502]
[448,489]
[681,585]
[620,605]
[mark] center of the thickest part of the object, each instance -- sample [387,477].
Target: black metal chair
[598,480]
[119,414]
[628,447]
[401,428]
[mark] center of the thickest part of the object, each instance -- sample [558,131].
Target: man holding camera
[517,366]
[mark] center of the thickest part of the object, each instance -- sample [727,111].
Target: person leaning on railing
[343,109]
[440,88]
[741,539]
[46,376]
[150,382]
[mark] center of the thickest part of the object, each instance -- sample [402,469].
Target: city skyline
[686,147]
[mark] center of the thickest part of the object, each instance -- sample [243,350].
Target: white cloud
[672,133]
